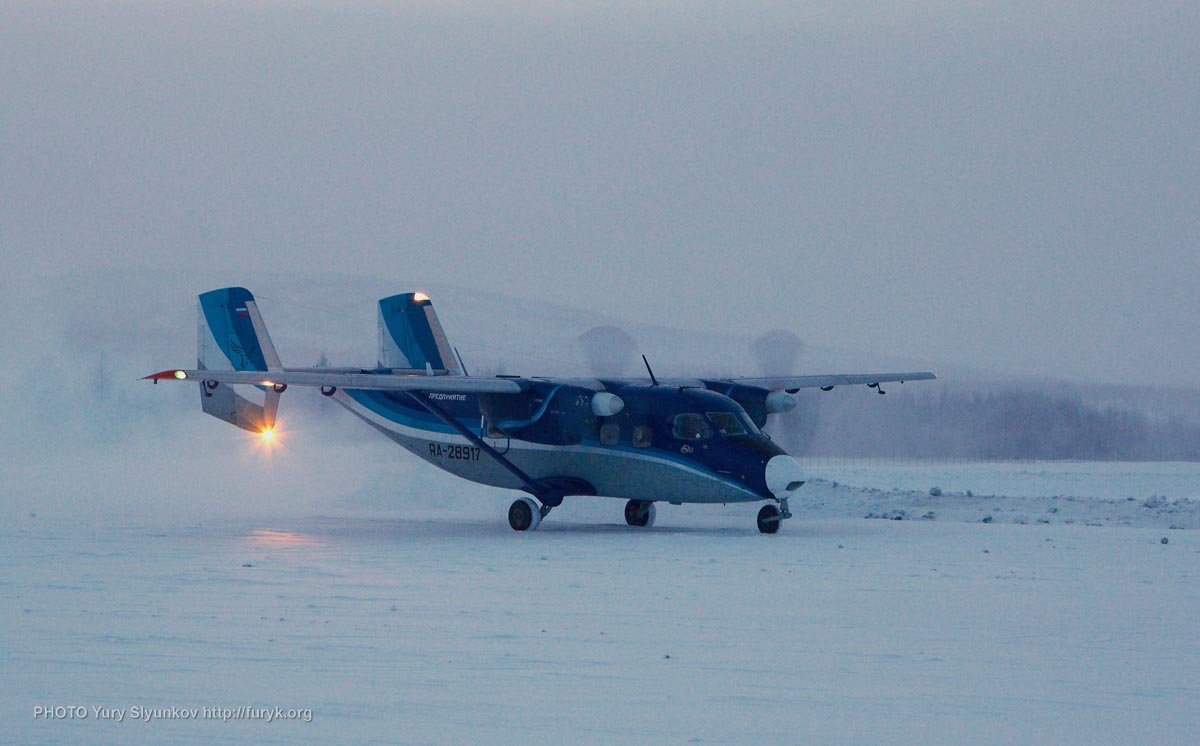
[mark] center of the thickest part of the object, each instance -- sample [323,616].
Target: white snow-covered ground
[1149,495]
[1114,480]
[151,558]
[425,619]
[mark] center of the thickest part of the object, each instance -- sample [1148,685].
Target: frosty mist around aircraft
[643,440]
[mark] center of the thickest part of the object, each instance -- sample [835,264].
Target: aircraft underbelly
[612,475]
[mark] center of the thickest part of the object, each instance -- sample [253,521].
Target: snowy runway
[699,630]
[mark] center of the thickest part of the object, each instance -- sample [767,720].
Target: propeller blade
[610,352]
[777,353]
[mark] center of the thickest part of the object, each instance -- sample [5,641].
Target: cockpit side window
[691,426]
[642,436]
[726,423]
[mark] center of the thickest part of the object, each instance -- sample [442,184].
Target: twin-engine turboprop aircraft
[643,440]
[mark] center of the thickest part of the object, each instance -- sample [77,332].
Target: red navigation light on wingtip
[167,374]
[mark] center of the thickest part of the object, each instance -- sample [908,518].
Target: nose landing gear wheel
[769,519]
[639,513]
[524,514]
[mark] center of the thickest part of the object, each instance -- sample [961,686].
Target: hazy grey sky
[1000,185]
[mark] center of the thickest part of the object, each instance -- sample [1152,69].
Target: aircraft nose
[783,475]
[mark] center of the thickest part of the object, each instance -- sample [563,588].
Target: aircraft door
[493,437]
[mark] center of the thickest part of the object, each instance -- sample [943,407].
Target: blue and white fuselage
[565,441]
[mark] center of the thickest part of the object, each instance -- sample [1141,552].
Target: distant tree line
[1006,424]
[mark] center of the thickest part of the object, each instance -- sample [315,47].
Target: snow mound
[822,499]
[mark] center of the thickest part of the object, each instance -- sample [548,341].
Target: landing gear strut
[770,517]
[639,513]
[525,514]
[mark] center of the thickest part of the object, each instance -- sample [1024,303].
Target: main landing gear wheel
[524,514]
[769,519]
[639,513]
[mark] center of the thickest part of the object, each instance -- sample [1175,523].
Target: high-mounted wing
[791,383]
[769,395]
[414,356]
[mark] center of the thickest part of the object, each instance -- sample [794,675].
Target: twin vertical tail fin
[232,336]
[410,336]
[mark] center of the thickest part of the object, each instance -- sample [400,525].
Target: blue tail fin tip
[226,316]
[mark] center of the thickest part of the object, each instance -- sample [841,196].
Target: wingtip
[165,375]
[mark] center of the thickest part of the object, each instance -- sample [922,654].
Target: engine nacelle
[605,404]
[779,402]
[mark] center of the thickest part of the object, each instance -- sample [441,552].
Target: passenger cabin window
[641,436]
[691,427]
[726,423]
[610,433]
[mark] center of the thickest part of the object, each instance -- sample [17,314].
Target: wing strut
[549,497]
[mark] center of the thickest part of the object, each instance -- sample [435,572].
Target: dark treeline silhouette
[1003,424]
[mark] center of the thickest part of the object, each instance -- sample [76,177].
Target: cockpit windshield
[726,423]
[749,423]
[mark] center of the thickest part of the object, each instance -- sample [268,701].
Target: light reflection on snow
[265,537]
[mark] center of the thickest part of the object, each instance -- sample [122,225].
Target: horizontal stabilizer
[373,381]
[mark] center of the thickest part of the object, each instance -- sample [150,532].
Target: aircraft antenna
[653,380]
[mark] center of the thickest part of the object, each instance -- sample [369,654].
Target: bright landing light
[267,434]
[420,297]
